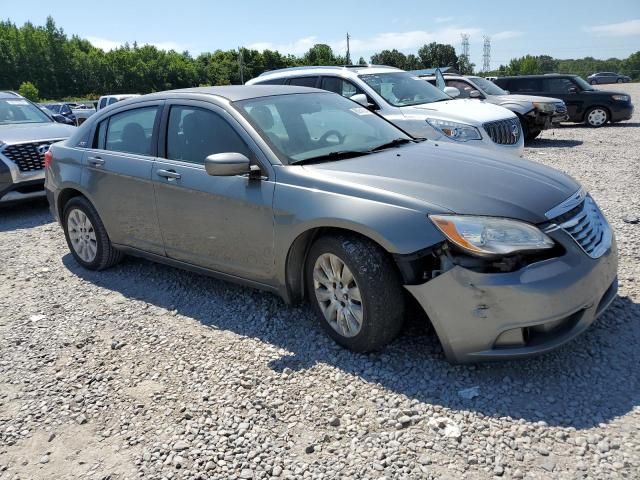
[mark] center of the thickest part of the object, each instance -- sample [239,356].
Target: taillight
[48,158]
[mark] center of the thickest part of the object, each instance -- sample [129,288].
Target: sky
[562,29]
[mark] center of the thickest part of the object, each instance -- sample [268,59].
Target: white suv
[412,104]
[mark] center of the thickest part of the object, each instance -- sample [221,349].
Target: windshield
[402,89]
[54,107]
[583,83]
[306,126]
[19,110]
[487,86]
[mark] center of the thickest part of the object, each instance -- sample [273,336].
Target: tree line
[59,66]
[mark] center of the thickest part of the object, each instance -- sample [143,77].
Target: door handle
[95,161]
[169,174]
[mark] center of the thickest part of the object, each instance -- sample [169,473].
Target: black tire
[532,133]
[379,283]
[593,82]
[106,256]
[587,117]
[619,80]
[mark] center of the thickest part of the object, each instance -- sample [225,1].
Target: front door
[220,223]
[568,91]
[117,176]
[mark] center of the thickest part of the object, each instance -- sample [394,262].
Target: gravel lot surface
[144,371]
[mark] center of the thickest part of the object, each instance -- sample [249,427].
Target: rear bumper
[480,316]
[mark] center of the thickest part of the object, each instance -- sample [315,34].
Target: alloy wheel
[338,295]
[82,235]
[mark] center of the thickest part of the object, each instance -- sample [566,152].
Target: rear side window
[103,103]
[524,85]
[557,85]
[130,131]
[112,100]
[303,81]
[195,133]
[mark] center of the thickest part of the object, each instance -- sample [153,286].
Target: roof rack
[330,67]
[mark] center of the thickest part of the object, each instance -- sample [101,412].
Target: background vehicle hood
[463,180]
[18,133]
[465,111]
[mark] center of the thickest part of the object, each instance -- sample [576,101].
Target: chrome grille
[26,155]
[587,226]
[504,132]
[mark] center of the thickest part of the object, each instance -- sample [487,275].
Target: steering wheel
[330,133]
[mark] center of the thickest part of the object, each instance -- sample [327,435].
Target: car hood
[19,133]
[465,111]
[524,98]
[462,180]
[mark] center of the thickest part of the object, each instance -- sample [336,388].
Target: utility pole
[486,54]
[240,65]
[348,50]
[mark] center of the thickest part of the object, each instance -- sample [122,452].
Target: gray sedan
[309,195]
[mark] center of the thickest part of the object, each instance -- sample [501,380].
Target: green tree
[465,67]
[438,55]
[29,90]
[392,58]
[322,54]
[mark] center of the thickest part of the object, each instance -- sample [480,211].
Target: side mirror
[475,94]
[361,98]
[227,164]
[452,91]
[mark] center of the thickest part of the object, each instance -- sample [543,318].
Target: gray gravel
[144,371]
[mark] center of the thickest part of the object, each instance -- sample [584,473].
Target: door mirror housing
[475,94]
[362,99]
[452,91]
[227,164]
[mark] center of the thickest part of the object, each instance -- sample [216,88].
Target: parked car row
[313,196]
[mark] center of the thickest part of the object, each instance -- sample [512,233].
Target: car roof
[546,75]
[235,93]
[9,94]
[355,69]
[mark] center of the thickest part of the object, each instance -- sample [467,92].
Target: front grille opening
[30,188]
[26,155]
[504,132]
[537,334]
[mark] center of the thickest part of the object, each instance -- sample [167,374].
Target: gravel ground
[144,371]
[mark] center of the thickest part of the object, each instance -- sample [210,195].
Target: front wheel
[593,82]
[356,292]
[597,117]
[86,236]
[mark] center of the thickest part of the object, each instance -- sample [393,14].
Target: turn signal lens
[48,158]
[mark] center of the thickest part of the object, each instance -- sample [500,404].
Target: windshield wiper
[393,143]
[330,157]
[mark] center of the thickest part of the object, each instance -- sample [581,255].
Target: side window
[274,81]
[525,85]
[112,100]
[557,85]
[303,81]
[340,86]
[131,131]
[103,103]
[464,87]
[195,133]
[101,134]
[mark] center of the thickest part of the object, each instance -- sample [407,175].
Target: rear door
[220,223]
[117,176]
[565,89]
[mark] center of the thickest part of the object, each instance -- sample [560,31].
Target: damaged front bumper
[491,316]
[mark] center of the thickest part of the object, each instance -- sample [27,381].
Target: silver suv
[411,104]
[307,194]
[25,135]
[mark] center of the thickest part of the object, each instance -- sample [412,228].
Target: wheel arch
[64,196]
[591,107]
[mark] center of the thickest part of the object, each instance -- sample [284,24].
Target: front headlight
[460,132]
[491,235]
[621,98]
[545,107]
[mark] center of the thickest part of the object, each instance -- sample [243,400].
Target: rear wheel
[356,292]
[596,117]
[86,236]
[593,82]
[619,80]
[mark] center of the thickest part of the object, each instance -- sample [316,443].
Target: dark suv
[584,103]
